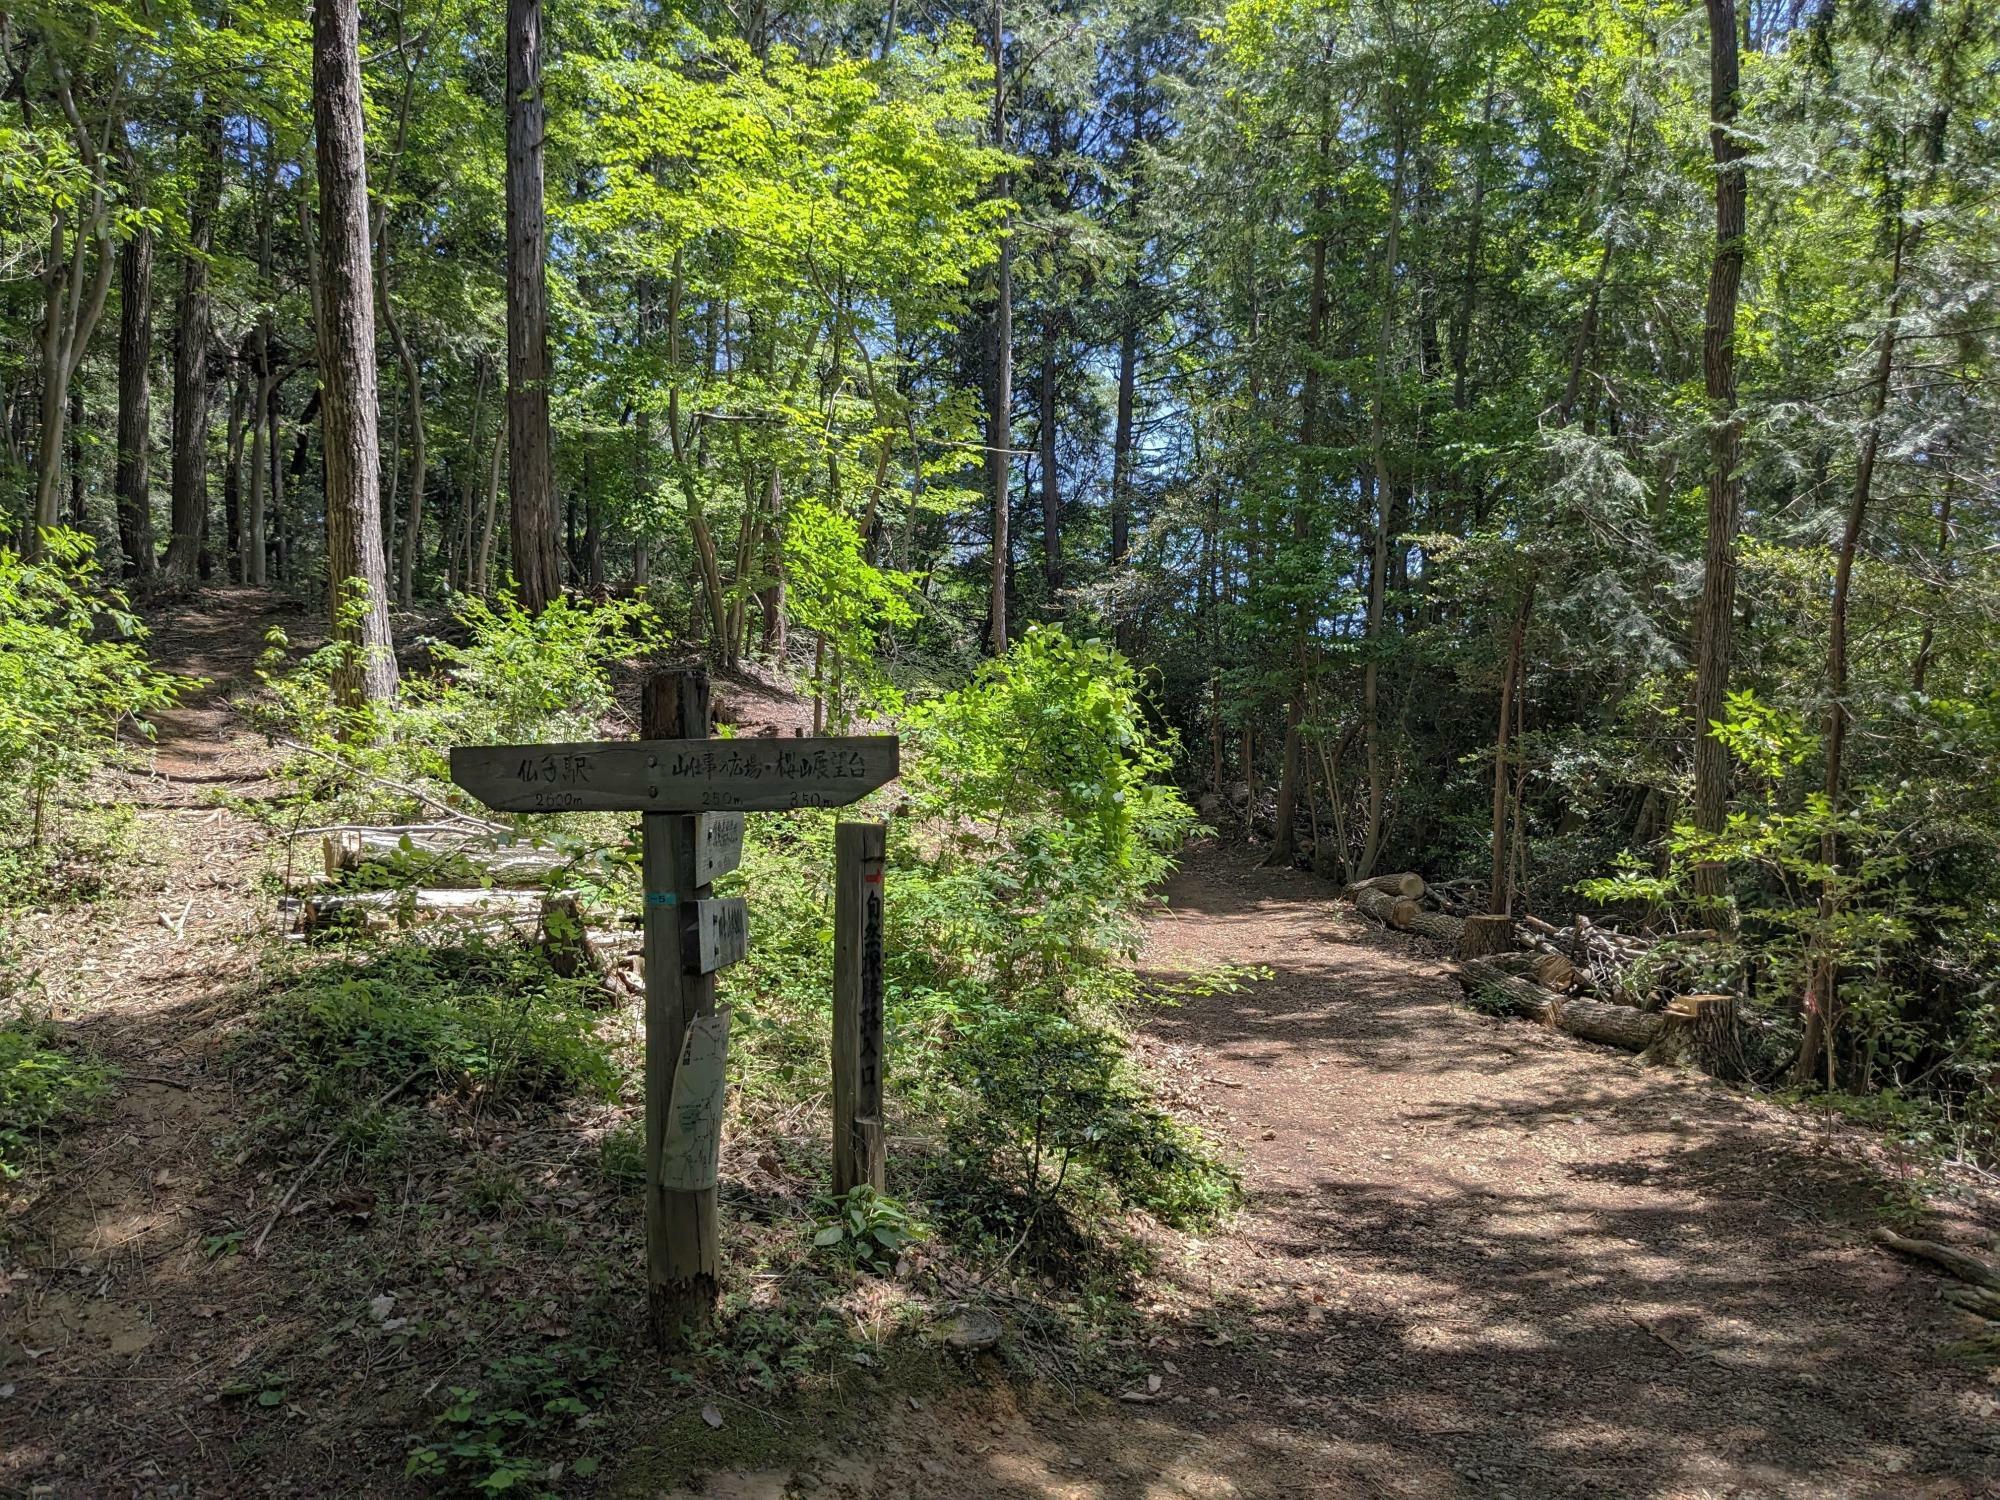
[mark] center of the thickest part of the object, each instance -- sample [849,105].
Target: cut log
[1435,924]
[1485,935]
[1406,884]
[1967,1268]
[394,909]
[1407,916]
[1554,972]
[1614,1025]
[440,859]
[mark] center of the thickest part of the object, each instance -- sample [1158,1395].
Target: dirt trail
[1484,1259]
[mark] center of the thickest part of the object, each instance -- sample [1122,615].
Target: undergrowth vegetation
[44,1086]
[73,674]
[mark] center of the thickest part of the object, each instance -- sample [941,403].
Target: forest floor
[1476,1258]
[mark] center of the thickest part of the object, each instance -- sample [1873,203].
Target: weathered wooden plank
[683,1240]
[677,775]
[858,1061]
[714,934]
[718,845]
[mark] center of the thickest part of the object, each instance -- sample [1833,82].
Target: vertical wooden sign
[859,850]
[683,1250]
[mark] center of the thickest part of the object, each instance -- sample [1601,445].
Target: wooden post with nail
[683,1254]
[859,851]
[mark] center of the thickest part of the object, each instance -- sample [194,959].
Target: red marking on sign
[871,879]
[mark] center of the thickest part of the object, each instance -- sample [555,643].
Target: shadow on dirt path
[1480,1258]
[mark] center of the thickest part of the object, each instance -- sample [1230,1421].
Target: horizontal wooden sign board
[747,775]
[714,934]
[718,845]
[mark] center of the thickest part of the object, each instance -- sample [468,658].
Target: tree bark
[78,516]
[346,337]
[1121,444]
[1500,893]
[413,524]
[1714,643]
[531,488]
[233,518]
[1000,361]
[1823,986]
[461,570]
[1593,1020]
[482,575]
[1385,498]
[1052,559]
[133,481]
[190,436]
[72,306]
[1293,769]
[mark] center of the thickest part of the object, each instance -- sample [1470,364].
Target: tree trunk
[1713,620]
[482,575]
[771,597]
[346,337]
[190,436]
[71,309]
[1283,844]
[282,520]
[531,486]
[260,383]
[1121,461]
[1920,669]
[1000,380]
[1468,291]
[133,482]
[233,519]
[1052,560]
[1500,893]
[1385,497]
[1823,985]
[469,497]
[413,523]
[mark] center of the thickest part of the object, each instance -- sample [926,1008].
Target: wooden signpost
[858,1157]
[693,791]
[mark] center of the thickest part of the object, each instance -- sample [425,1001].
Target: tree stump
[1485,935]
[564,938]
[1709,1025]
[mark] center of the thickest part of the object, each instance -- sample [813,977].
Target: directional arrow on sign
[748,775]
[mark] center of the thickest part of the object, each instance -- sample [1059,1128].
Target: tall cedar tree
[531,483]
[347,357]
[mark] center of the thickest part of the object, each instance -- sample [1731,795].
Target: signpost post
[858,854]
[692,792]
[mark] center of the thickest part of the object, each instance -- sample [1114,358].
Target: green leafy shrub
[502,1433]
[43,1087]
[867,1228]
[1054,1114]
[515,678]
[481,1019]
[72,672]
[1038,818]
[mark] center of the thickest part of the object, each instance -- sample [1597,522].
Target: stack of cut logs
[456,879]
[1577,978]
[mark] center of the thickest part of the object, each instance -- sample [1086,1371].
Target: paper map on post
[691,1155]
